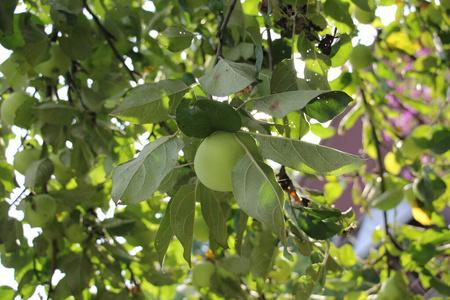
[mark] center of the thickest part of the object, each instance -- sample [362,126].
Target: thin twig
[109,39]
[381,171]
[221,31]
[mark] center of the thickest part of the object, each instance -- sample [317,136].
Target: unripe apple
[58,64]
[11,104]
[202,273]
[363,16]
[40,210]
[410,149]
[216,157]
[24,158]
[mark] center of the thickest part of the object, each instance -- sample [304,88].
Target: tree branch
[381,171]
[222,30]
[109,39]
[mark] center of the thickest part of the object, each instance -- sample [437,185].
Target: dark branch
[109,39]
[222,29]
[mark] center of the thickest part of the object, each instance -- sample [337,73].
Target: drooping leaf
[258,194]
[38,172]
[212,213]
[307,157]
[164,235]
[316,71]
[256,36]
[341,50]
[206,117]
[262,255]
[227,78]
[7,8]
[284,77]
[149,103]
[78,269]
[279,105]
[338,10]
[137,179]
[176,38]
[367,5]
[182,215]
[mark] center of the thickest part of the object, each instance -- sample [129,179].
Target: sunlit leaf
[149,103]
[176,38]
[138,179]
[306,157]
[227,78]
[258,194]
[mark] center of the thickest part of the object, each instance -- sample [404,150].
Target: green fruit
[282,270]
[202,273]
[363,16]
[24,158]
[58,64]
[11,105]
[75,233]
[201,230]
[361,57]
[215,159]
[40,210]
[410,149]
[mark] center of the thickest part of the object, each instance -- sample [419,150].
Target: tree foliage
[113,98]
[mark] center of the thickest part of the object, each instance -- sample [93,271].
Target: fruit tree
[168,149]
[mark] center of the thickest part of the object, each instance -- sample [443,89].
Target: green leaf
[6,292]
[338,10]
[164,235]
[440,141]
[324,104]
[182,215]
[322,132]
[38,172]
[341,50]
[317,226]
[212,213]
[7,8]
[78,269]
[263,255]
[284,77]
[206,117]
[149,103]
[388,199]
[227,78]
[176,38]
[306,157]
[328,105]
[367,5]
[56,113]
[316,71]
[137,179]
[258,194]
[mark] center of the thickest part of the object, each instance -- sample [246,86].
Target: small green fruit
[62,173]
[410,149]
[24,158]
[215,159]
[11,104]
[202,273]
[40,210]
